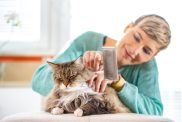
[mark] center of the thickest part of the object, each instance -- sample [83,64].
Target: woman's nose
[136,50]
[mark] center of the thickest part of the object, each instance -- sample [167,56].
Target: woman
[137,84]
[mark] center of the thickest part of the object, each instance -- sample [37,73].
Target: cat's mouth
[71,84]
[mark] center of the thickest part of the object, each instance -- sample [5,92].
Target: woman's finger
[103,86]
[100,78]
[90,82]
[97,61]
[97,84]
[90,59]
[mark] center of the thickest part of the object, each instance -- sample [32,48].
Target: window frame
[43,46]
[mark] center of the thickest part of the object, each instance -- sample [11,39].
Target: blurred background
[32,31]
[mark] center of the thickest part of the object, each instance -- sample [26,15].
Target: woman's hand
[98,83]
[93,60]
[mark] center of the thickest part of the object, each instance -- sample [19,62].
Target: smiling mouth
[127,55]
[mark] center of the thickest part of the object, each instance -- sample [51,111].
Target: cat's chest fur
[68,94]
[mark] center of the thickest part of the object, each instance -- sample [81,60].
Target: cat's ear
[79,60]
[54,66]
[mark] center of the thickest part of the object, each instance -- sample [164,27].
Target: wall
[16,94]
[18,99]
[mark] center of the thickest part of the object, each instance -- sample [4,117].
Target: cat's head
[68,73]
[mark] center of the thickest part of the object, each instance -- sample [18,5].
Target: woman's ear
[128,27]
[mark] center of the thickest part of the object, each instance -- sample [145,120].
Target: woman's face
[135,47]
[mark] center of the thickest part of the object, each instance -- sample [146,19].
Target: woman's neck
[109,42]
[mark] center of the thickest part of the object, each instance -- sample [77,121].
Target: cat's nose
[66,83]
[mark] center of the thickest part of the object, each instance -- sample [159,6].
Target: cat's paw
[78,112]
[57,111]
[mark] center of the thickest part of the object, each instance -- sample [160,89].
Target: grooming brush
[110,63]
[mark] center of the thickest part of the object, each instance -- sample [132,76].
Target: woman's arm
[42,81]
[144,97]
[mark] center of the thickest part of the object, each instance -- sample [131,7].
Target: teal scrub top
[141,91]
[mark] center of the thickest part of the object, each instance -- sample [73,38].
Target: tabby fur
[71,93]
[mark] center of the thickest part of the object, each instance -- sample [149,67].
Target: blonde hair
[156,28]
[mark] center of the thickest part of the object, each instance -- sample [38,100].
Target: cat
[71,93]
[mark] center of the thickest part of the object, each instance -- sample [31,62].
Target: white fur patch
[82,87]
[76,91]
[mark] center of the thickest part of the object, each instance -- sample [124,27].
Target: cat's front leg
[78,112]
[57,111]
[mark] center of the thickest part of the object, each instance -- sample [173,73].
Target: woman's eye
[146,51]
[136,38]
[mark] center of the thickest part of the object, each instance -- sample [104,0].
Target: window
[23,26]
[19,21]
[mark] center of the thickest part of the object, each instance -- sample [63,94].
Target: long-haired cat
[71,93]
